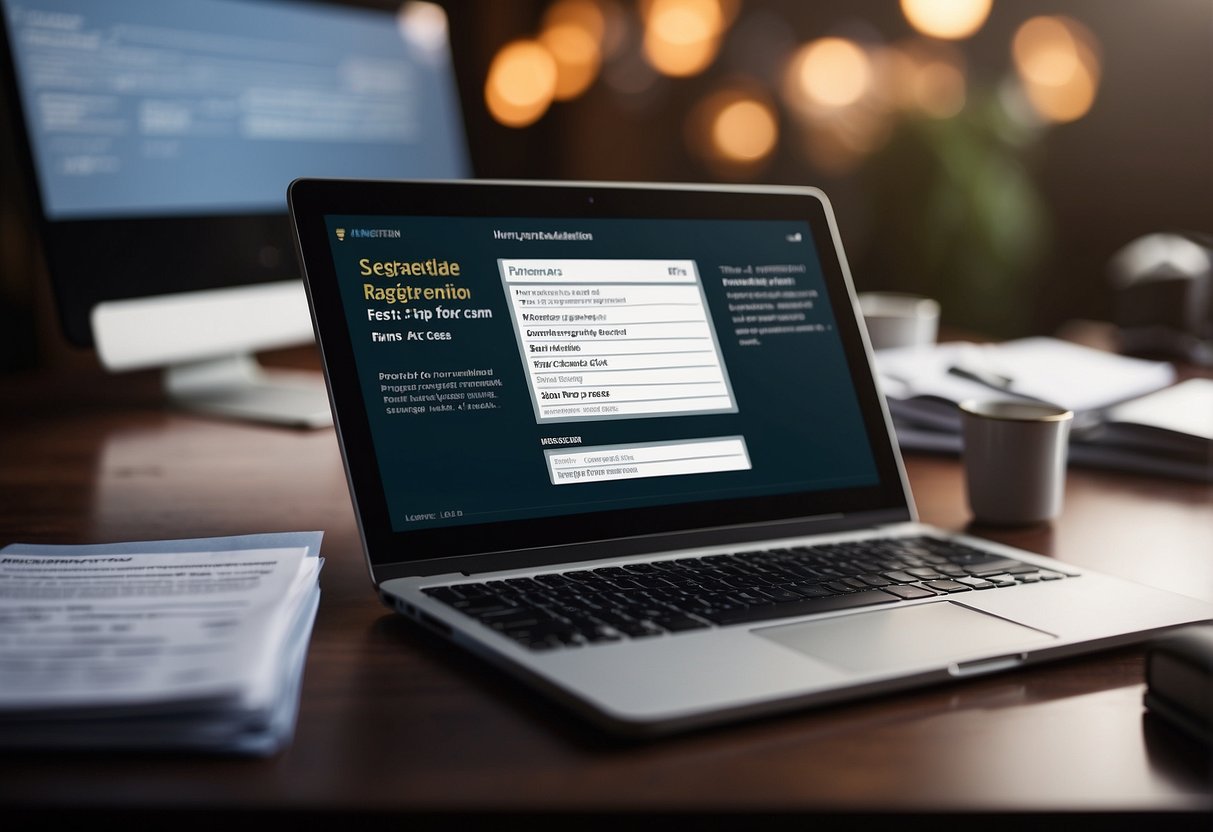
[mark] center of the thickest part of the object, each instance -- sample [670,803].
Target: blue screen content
[515,369]
[141,108]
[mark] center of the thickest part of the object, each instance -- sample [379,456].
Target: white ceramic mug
[899,320]
[1015,460]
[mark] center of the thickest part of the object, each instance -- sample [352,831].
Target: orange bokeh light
[735,130]
[577,57]
[521,83]
[1058,64]
[948,19]
[829,72]
[681,37]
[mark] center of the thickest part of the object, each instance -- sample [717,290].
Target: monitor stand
[238,387]
[206,340]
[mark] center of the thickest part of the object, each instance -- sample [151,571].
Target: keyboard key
[680,623]
[523,584]
[632,628]
[909,592]
[811,590]
[639,568]
[779,595]
[512,618]
[484,608]
[445,594]
[948,586]
[992,567]
[1021,569]
[750,597]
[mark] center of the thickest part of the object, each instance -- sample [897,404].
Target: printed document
[127,629]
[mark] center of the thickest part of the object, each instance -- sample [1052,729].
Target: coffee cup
[1014,456]
[894,319]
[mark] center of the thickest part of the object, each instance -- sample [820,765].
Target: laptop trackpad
[909,637]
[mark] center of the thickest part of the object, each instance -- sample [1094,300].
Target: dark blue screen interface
[524,368]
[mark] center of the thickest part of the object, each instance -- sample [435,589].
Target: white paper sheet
[146,628]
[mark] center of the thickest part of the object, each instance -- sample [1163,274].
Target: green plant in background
[957,215]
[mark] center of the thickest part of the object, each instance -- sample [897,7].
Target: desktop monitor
[161,136]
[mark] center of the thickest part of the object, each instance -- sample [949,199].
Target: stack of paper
[1128,412]
[168,645]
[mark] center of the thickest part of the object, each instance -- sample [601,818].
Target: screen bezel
[516,543]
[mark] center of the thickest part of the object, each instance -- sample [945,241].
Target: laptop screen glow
[515,369]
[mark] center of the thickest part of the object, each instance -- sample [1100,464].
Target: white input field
[611,349]
[649,459]
[598,271]
[618,360]
[682,330]
[584,299]
[671,377]
[591,409]
[613,316]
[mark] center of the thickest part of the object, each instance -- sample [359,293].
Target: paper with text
[131,629]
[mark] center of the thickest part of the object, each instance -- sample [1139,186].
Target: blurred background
[994,155]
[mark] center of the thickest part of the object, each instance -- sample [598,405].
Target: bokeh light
[577,57]
[833,88]
[586,15]
[521,83]
[1057,61]
[948,19]
[745,131]
[424,25]
[681,37]
[735,130]
[828,72]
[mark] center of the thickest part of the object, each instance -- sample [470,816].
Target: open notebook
[1130,413]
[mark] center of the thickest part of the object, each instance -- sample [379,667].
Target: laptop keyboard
[642,600]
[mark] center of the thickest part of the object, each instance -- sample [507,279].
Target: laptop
[624,441]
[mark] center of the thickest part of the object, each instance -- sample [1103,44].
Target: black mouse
[1179,680]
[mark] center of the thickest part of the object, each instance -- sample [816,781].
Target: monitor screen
[163,135]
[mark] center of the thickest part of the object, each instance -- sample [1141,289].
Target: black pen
[997,381]
[989,379]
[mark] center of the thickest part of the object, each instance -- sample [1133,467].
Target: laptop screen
[541,379]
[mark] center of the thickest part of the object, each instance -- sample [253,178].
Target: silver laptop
[624,441]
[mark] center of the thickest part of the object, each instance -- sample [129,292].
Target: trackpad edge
[902,638]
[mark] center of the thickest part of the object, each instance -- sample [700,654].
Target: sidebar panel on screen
[518,369]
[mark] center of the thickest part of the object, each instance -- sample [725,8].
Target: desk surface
[393,720]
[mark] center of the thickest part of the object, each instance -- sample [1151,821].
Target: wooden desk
[394,721]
